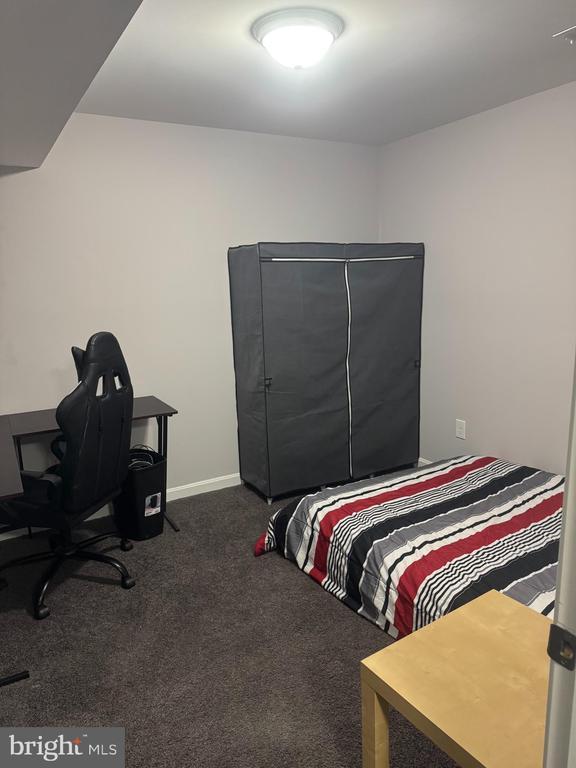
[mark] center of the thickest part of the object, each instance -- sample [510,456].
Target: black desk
[10,485]
[10,482]
[15,426]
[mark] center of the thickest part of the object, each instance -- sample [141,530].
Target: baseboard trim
[179,492]
[202,486]
[182,492]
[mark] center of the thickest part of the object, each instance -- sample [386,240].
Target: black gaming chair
[95,420]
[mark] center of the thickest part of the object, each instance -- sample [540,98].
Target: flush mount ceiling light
[298,37]
[567,34]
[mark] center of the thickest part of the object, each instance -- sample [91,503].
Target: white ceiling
[400,67]
[49,53]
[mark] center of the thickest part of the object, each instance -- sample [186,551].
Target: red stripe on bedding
[415,574]
[260,546]
[329,522]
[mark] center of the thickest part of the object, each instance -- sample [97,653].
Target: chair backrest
[96,421]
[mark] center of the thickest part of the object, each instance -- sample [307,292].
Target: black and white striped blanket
[404,549]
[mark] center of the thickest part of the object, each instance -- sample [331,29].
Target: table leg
[163,451]
[18,445]
[375,738]
[19,452]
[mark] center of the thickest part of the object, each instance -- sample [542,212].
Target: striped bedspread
[406,548]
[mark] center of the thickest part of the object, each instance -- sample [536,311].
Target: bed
[406,548]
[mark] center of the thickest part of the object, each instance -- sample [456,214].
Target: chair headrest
[103,349]
[102,354]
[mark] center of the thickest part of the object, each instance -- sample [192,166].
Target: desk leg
[9,679]
[375,738]
[21,465]
[163,451]
[19,452]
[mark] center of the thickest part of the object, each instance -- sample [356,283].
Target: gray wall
[127,223]
[126,227]
[494,199]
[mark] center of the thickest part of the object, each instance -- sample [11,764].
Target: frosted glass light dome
[298,37]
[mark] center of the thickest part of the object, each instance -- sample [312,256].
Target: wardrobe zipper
[348,388]
[346,262]
[341,261]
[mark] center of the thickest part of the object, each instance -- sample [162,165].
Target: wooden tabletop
[44,421]
[475,682]
[10,482]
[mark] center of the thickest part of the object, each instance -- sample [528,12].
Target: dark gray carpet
[214,659]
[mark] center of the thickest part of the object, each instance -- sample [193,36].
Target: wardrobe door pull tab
[416,363]
[268,382]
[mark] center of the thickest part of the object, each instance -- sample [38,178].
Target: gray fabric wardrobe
[327,360]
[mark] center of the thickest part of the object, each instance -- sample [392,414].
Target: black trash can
[139,510]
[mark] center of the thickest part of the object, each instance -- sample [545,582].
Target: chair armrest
[41,488]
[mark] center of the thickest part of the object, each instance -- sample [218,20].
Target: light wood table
[475,682]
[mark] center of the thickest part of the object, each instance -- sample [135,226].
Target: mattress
[406,548]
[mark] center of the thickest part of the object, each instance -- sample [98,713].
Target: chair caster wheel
[42,612]
[128,583]
[126,545]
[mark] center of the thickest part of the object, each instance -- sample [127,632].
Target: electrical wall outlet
[461,429]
